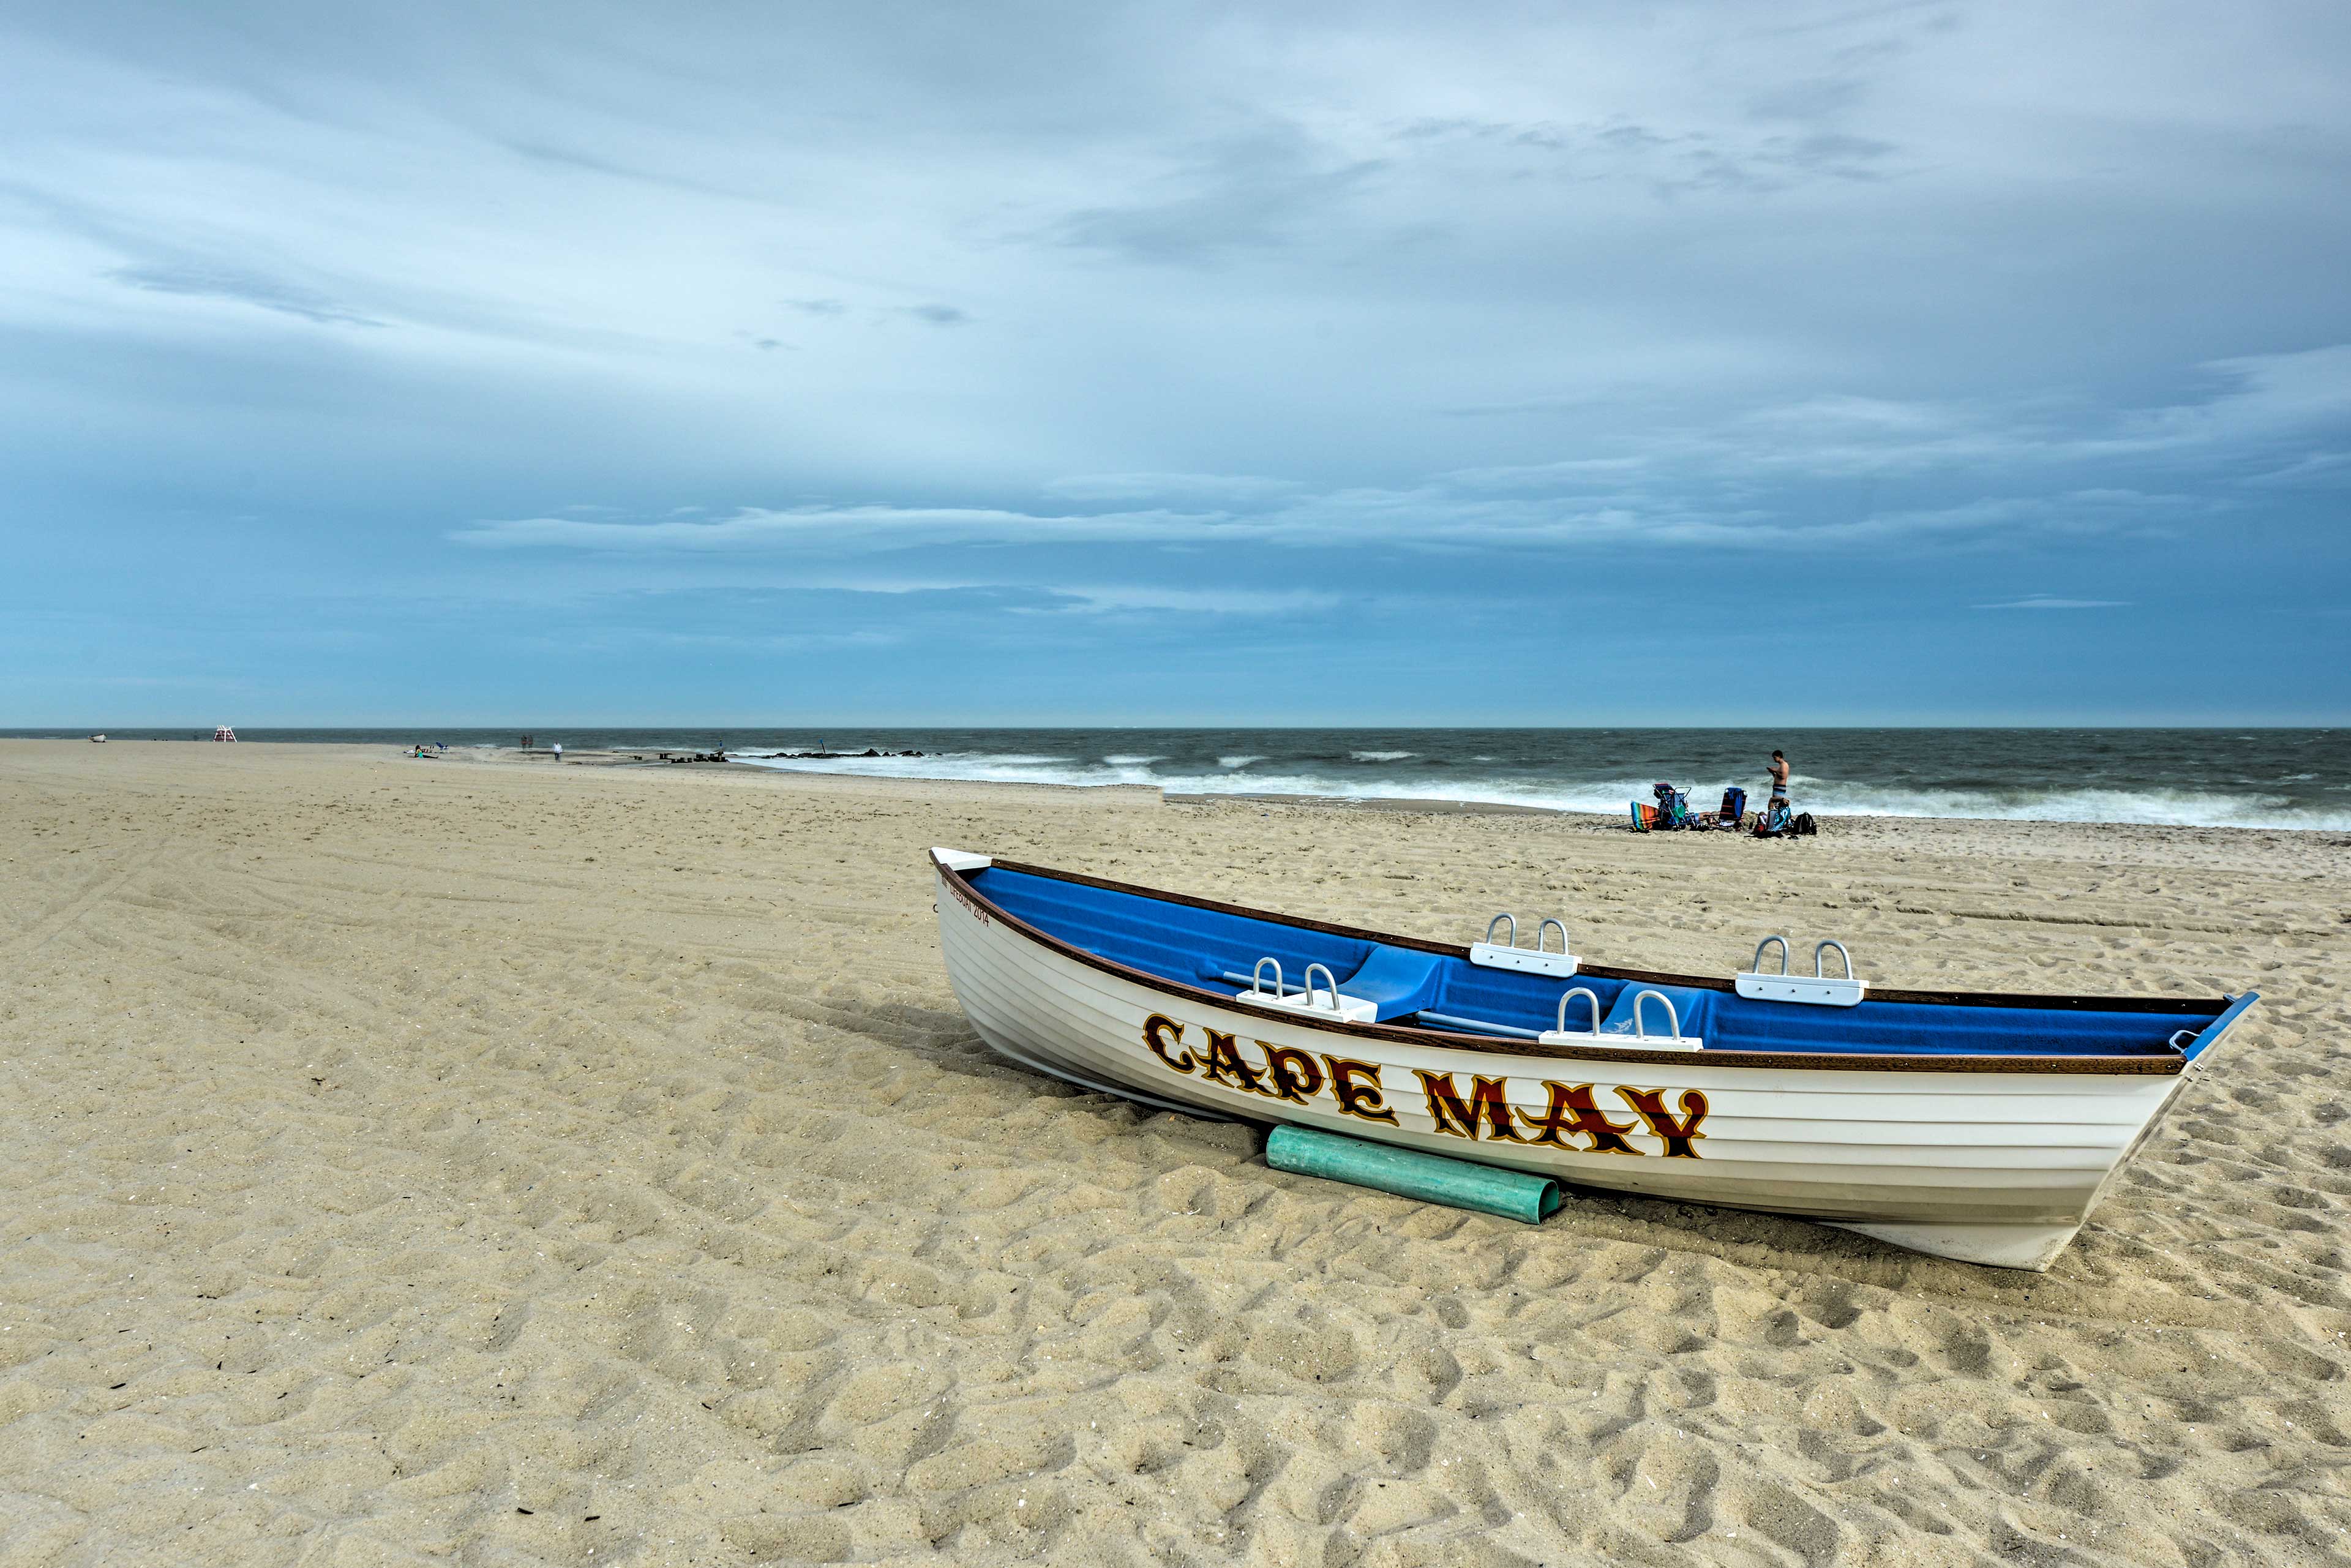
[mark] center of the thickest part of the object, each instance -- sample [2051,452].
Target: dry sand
[432,1161]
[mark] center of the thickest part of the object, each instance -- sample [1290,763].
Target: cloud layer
[1351,329]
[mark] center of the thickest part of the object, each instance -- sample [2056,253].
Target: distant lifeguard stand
[222,732]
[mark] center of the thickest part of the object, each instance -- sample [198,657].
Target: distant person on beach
[1779,772]
[558,751]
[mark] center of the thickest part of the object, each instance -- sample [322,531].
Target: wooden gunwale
[2153,1065]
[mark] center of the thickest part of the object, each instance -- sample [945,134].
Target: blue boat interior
[1216,951]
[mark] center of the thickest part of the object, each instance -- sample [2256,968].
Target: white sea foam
[2157,808]
[1381,756]
[977,767]
[2179,807]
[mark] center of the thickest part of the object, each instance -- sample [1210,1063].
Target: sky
[1102,363]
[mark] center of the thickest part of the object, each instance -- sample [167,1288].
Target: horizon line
[57,731]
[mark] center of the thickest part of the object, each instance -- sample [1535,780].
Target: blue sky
[1175,363]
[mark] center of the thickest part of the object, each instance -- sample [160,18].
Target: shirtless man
[1779,772]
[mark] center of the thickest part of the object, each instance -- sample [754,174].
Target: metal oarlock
[1821,989]
[1673,1019]
[1672,1040]
[1559,1034]
[1323,999]
[1534,960]
[1256,978]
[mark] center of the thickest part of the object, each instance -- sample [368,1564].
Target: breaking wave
[2292,778]
[1374,778]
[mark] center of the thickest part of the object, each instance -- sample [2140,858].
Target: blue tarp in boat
[1216,950]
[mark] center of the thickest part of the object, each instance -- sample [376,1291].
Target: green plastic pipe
[1408,1172]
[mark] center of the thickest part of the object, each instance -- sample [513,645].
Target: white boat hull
[1997,1168]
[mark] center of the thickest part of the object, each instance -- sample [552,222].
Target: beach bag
[1803,827]
[1772,823]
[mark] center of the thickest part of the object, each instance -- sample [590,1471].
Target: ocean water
[2210,778]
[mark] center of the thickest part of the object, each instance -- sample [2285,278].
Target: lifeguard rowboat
[1971,1126]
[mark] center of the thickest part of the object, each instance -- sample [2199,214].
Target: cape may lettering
[1484,1113]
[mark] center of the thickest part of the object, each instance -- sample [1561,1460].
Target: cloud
[1750,310]
[616,169]
[2260,399]
[1256,603]
[1254,191]
[1726,487]
[1427,517]
[1567,472]
[2318,468]
[1669,162]
[826,530]
[1807,99]
[2253,404]
[2042,601]
[1211,489]
[767,642]
[212,282]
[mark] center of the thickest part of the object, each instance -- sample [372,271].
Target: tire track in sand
[45,928]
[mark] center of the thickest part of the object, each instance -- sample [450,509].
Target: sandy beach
[501,1162]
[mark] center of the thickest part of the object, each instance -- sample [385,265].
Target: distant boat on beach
[1972,1126]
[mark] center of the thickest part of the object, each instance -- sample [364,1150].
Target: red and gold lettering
[1487,1101]
[1572,1111]
[1224,1065]
[1158,1031]
[1361,1100]
[1678,1135]
[1294,1073]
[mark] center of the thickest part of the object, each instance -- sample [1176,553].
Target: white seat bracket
[1819,989]
[1534,960]
[1315,1001]
[1640,1039]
